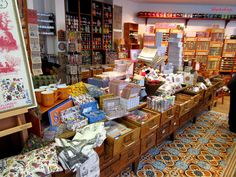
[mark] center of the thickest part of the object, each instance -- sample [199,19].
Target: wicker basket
[151,88]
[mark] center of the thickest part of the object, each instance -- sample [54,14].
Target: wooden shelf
[184,18]
[44,109]
[16,129]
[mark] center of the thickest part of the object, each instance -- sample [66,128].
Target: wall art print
[16,88]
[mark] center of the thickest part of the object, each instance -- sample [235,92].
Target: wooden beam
[15,129]
[13,113]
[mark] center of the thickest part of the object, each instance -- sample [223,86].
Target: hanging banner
[16,87]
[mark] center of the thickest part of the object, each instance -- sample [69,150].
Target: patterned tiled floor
[199,149]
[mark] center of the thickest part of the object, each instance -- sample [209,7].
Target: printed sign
[15,80]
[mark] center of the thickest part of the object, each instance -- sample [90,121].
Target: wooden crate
[168,115]
[124,141]
[111,170]
[174,124]
[183,106]
[148,126]
[130,154]
[106,161]
[148,142]
[163,132]
[100,150]
[194,99]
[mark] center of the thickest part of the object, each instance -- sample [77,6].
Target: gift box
[113,108]
[116,86]
[73,119]
[101,83]
[130,103]
[91,111]
[130,91]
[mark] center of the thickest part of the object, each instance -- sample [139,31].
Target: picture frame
[17,91]
[54,113]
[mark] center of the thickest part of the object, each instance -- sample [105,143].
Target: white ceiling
[213,2]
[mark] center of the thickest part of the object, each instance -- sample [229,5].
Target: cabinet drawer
[105,162]
[174,124]
[100,150]
[184,118]
[163,132]
[130,154]
[168,115]
[193,99]
[125,141]
[111,170]
[183,106]
[148,142]
[148,126]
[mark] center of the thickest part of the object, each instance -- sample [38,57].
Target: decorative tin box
[91,111]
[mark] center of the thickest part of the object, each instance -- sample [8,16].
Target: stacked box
[175,50]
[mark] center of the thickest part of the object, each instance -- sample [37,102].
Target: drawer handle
[153,127]
[163,131]
[130,144]
[174,123]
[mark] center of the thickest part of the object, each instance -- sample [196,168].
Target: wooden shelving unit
[228,57]
[189,48]
[186,19]
[95,21]
[131,36]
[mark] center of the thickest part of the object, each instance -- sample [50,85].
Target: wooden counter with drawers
[155,131]
[117,154]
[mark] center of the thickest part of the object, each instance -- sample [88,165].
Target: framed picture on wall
[15,78]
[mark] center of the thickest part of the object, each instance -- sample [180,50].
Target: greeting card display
[15,79]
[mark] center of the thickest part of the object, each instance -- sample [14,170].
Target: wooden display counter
[117,154]
[171,122]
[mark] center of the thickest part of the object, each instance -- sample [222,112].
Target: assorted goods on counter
[92,123]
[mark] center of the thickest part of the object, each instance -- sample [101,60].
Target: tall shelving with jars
[93,20]
[202,50]
[97,30]
[189,49]
[131,36]
[215,49]
[102,20]
[228,56]
[86,32]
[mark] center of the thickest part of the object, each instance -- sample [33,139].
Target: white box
[130,103]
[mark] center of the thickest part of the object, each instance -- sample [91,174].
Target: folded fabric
[34,142]
[39,162]
[77,150]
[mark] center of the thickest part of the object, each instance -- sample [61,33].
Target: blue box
[101,83]
[91,111]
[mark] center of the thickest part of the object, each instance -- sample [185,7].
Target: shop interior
[117,88]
